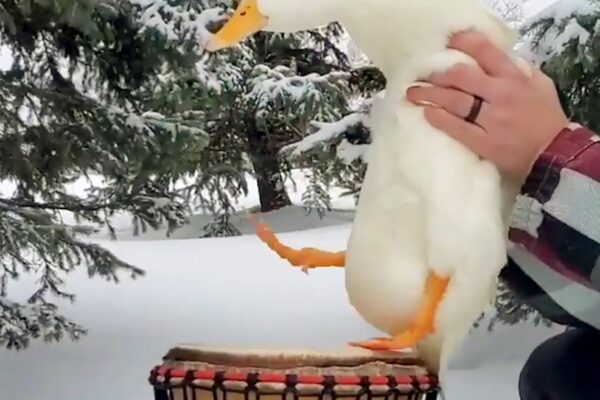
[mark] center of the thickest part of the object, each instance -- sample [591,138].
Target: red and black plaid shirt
[554,257]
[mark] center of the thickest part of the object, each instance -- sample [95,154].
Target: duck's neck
[397,33]
[298,15]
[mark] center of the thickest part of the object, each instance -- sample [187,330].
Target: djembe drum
[208,373]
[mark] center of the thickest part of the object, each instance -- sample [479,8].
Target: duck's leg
[306,258]
[423,325]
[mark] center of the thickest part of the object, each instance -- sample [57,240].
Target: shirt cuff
[545,173]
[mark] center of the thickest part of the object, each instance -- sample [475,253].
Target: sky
[534,6]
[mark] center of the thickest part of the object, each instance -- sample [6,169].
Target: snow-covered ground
[213,291]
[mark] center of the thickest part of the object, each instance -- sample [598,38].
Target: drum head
[346,360]
[278,358]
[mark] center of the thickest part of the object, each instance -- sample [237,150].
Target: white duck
[429,235]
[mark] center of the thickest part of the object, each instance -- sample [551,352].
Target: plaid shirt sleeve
[554,251]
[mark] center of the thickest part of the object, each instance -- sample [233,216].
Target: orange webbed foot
[403,341]
[423,325]
[306,258]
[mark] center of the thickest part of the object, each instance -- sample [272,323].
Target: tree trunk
[271,188]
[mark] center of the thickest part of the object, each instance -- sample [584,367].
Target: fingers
[466,78]
[454,101]
[492,59]
[472,136]
[526,67]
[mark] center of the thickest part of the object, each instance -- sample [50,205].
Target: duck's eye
[243,13]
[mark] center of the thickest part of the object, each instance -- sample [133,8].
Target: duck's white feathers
[427,203]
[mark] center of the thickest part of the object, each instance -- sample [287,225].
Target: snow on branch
[337,133]
[169,19]
[349,152]
[149,121]
[563,9]
[21,322]
[326,131]
[565,27]
[281,84]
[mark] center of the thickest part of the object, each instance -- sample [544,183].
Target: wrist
[524,169]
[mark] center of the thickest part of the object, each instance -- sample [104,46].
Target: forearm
[555,234]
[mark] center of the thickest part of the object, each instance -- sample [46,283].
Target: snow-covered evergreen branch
[325,133]
[179,23]
[549,32]
[19,323]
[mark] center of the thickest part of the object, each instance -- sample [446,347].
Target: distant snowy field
[232,291]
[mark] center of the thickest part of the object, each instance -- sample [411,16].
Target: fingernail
[424,103]
[419,84]
[429,104]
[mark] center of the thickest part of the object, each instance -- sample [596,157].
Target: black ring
[475,109]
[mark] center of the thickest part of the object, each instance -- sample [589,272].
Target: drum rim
[205,374]
[161,376]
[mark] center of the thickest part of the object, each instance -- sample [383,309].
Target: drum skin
[193,372]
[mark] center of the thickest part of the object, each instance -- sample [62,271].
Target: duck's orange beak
[246,21]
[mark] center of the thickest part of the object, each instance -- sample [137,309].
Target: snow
[157,15]
[562,9]
[573,31]
[326,131]
[348,152]
[279,83]
[207,291]
[553,42]
[532,7]
[566,28]
[6,58]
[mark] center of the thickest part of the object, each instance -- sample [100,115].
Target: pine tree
[254,100]
[72,105]
[332,152]
[123,90]
[564,40]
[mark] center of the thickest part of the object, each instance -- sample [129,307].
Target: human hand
[520,115]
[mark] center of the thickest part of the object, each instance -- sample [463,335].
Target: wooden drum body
[201,373]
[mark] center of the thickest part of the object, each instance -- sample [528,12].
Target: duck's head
[252,16]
